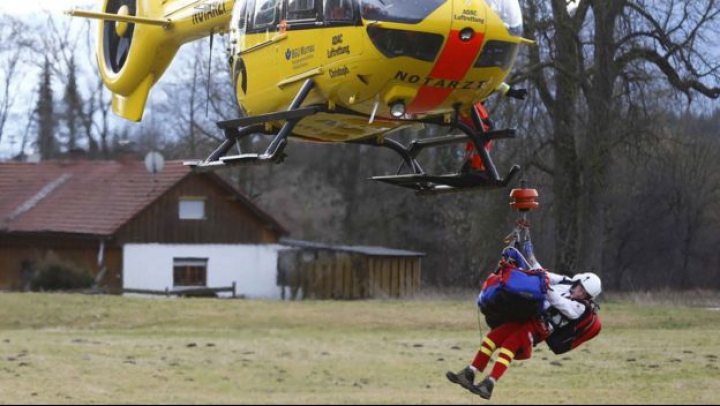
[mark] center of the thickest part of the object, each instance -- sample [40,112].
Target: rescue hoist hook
[524,198]
[523,201]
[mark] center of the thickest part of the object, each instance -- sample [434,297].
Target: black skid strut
[239,128]
[426,184]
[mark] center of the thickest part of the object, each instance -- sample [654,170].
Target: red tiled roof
[83,197]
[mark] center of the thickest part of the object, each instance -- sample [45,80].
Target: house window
[192,208]
[190,271]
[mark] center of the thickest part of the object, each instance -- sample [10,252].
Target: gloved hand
[514,257]
[519,94]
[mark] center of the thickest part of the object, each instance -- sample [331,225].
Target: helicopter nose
[462,46]
[468,18]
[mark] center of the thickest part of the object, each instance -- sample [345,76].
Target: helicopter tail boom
[138,39]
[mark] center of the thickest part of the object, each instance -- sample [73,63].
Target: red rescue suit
[471,154]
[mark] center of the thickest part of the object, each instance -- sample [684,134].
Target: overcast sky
[34,6]
[32,12]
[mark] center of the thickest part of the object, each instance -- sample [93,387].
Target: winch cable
[209,77]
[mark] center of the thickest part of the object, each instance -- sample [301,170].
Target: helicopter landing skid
[421,182]
[243,127]
[457,182]
[425,184]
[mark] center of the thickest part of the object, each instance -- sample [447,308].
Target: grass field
[100,349]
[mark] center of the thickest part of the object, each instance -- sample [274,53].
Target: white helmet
[590,282]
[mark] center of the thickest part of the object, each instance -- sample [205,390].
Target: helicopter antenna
[209,77]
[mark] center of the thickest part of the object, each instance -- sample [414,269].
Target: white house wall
[252,267]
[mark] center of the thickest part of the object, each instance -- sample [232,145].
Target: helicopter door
[259,50]
[343,41]
[301,53]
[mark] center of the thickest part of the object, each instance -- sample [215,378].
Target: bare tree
[85,105]
[11,54]
[590,58]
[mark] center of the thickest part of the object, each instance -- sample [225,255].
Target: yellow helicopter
[348,71]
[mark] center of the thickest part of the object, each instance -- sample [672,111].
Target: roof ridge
[361,249]
[38,197]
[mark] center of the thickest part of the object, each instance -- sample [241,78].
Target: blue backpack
[512,293]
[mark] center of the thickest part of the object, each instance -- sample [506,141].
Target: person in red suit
[569,318]
[472,162]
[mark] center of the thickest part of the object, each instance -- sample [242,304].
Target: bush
[55,275]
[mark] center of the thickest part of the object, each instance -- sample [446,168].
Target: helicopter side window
[265,13]
[240,14]
[497,54]
[299,10]
[339,11]
[399,11]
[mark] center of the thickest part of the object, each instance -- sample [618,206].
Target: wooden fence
[199,291]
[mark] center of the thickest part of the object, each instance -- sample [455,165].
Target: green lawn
[102,349]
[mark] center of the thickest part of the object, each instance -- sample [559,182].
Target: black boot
[485,388]
[464,378]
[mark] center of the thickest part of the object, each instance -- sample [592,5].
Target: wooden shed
[319,271]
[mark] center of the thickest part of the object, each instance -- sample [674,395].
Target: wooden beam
[386,276]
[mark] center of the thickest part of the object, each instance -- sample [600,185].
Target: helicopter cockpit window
[399,11]
[299,10]
[497,54]
[265,13]
[339,10]
[510,13]
[414,44]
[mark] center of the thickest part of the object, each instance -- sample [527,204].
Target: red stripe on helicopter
[455,61]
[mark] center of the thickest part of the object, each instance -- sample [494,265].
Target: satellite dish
[154,162]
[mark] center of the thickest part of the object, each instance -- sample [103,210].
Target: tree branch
[652,56]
